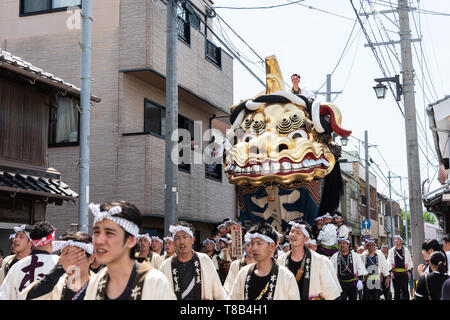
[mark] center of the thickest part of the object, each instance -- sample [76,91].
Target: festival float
[281,155]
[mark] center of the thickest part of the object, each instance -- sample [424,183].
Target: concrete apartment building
[127,127]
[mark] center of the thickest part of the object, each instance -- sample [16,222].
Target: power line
[383,70]
[385,3]
[344,51]
[257,8]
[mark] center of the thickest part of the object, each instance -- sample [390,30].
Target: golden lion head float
[281,137]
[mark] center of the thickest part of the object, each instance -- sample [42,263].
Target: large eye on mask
[299,133]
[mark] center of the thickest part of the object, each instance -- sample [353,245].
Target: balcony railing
[213,53]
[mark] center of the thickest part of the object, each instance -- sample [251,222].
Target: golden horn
[274,79]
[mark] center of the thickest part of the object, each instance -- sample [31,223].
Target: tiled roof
[38,185]
[9,59]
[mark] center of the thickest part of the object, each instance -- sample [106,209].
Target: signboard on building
[236,241]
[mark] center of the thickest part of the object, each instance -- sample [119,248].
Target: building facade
[127,143]
[29,186]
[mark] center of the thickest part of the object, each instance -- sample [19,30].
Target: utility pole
[415,195]
[366,149]
[171,168]
[390,209]
[328,93]
[85,116]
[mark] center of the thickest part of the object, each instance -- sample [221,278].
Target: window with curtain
[64,122]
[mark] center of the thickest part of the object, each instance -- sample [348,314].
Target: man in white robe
[377,269]
[33,267]
[69,278]
[21,246]
[145,242]
[191,275]
[116,228]
[342,229]
[327,237]
[350,270]
[265,279]
[400,262]
[237,265]
[314,273]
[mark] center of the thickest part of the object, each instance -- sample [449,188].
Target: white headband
[206,241]
[301,227]
[370,241]
[285,245]
[60,245]
[145,235]
[20,228]
[398,236]
[127,225]
[168,238]
[337,216]
[261,236]
[174,229]
[227,241]
[157,238]
[327,215]
[343,239]
[318,218]
[311,241]
[221,225]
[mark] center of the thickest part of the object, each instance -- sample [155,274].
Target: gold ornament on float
[283,140]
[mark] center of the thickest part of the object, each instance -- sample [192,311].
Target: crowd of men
[116,262]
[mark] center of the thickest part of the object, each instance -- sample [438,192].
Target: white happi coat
[323,282]
[211,286]
[25,272]
[231,276]
[286,287]
[328,235]
[358,267]
[383,267]
[391,259]
[343,231]
[155,261]
[156,286]
[6,260]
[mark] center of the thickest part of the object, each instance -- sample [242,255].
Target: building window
[154,118]
[195,20]
[64,124]
[183,25]
[188,124]
[213,53]
[381,221]
[28,7]
[155,123]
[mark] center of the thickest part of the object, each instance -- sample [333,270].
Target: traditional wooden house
[30,100]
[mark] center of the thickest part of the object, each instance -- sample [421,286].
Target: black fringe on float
[333,190]
[236,111]
[272,99]
[325,125]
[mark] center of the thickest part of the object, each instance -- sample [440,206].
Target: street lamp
[344,141]
[380,89]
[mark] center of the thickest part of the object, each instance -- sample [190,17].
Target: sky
[310,41]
